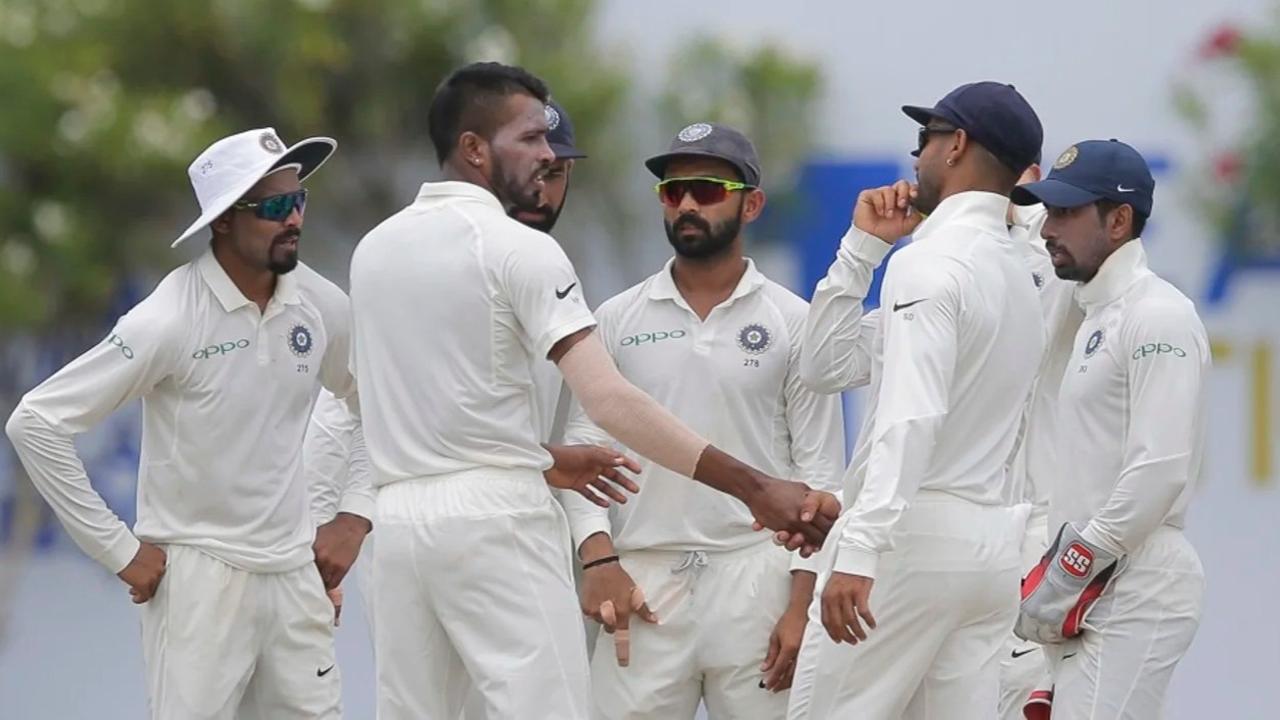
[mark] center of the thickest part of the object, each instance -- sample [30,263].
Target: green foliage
[107,101]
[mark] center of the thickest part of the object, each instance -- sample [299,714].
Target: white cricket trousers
[944,601]
[474,591]
[1023,665]
[221,643]
[1120,666]
[716,611]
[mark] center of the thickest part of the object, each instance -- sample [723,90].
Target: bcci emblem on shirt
[754,338]
[300,340]
[1095,342]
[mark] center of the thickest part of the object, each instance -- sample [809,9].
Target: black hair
[467,100]
[1105,206]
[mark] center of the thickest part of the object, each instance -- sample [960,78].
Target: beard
[709,241]
[515,193]
[282,259]
[543,218]
[928,194]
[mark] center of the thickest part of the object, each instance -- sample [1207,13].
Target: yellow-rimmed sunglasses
[705,190]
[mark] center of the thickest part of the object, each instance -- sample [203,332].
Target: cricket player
[717,343]
[1022,665]
[451,299]
[929,522]
[326,449]
[227,354]
[1118,595]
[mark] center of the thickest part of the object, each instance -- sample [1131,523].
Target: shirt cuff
[361,505]
[1092,535]
[865,246]
[584,527]
[808,564]
[855,561]
[120,553]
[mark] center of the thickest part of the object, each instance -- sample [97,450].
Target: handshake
[799,516]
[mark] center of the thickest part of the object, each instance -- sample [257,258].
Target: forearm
[803,583]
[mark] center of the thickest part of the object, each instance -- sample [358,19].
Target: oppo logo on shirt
[125,350]
[214,351]
[1158,349]
[654,337]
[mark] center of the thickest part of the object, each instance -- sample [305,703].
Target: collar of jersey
[1118,272]
[449,189]
[230,296]
[664,287]
[977,208]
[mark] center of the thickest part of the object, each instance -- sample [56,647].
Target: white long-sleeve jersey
[961,338]
[1133,406]
[226,393]
[733,378]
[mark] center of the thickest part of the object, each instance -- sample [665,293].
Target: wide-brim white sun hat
[225,171]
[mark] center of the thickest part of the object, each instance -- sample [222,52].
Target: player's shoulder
[320,290]
[1156,302]
[169,306]
[635,295]
[925,267]
[788,303]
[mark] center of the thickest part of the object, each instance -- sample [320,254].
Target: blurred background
[103,104]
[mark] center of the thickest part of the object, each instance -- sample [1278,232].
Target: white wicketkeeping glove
[1059,591]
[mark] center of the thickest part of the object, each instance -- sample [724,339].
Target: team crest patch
[754,338]
[1067,157]
[694,132]
[300,340]
[270,143]
[1038,279]
[1095,342]
[553,118]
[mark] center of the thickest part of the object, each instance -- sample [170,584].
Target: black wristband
[600,561]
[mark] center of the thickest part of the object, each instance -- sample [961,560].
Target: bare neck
[704,283]
[257,284]
[463,172]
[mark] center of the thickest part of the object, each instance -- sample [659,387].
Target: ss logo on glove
[1077,560]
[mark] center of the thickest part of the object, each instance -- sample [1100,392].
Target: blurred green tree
[107,101]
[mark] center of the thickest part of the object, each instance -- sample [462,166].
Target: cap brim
[920,114]
[1052,193]
[308,154]
[566,152]
[658,163]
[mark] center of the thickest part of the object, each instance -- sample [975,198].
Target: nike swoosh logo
[1121,188]
[1068,655]
[1017,654]
[562,294]
[900,306]
[322,673]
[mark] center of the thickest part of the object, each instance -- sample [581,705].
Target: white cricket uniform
[1133,423]
[927,492]
[451,301]
[240,625]
[717,586]
[1022,664]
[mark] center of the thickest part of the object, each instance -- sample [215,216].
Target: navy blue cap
[560,133]
[995,115]
[1090,171]
[715,141]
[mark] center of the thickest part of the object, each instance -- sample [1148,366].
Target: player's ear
[752,204]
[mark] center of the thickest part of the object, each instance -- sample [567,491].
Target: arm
[1166,399]
[132,360]
[585,517]
[325,453]
[920,352]
[835,346]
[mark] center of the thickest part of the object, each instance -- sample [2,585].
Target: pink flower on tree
[1227,166]
[1223,42]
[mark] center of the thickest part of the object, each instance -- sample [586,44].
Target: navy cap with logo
[560,133]
[715,141]
[995,115]
[1090,171]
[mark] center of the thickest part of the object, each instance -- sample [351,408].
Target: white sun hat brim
[308,154]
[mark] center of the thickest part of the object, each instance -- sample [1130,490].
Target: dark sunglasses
[705,190]
[922,138]
[276,208]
